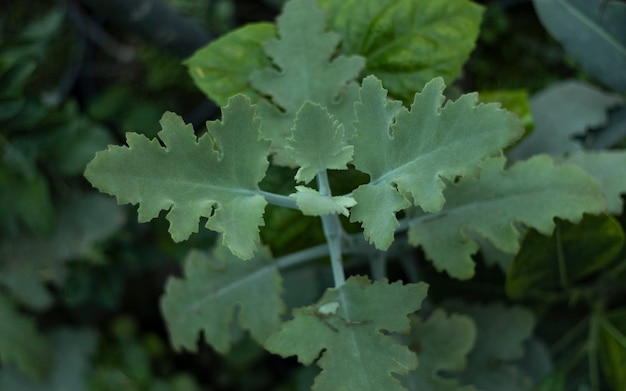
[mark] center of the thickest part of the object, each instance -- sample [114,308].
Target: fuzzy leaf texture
[215,176]
[312,203]
[442,343]
[407,42]
[303,54]
[344,329]
[408,154]
[216,286]
[531,192]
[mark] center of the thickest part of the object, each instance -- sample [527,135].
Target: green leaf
[593,32]
[25,201]
[409,154]
[442,343]
[21,344]
[502,333]
[345,330]
[407,43]
[490,206]
[562,112]
[607,167]
[516,101]
[548,264]
[216,286]
[612,348]
[317,143]
[215,176]
[312,203]
[28,262]
[305,69]
[222,68]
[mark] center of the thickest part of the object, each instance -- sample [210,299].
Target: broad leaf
[516,101]
[607,167]
[407,43]
[409,154]
[612,348]
[312,203]
[215,176]
[305,71]
[561,113]
[549,264]
[442,343]
[531,193]
[317,143]
[593,32]
[347,330]
[222,68]
[21,344]
[216,286]
[502,333]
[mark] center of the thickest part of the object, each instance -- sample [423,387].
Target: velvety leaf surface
[593,32]
[222,68]
[561,112]
[21,344]
[490,206]
[612,348]
[29,262]
[215,287]
[344,329]
[407,43]
[307,70]
[502,333]
[317,143]
[547,264]
[312,203]
[215,176]
[409,154]
[442,343]
[609,169]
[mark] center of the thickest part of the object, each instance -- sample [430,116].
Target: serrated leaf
[312,203]
[607,167]
[215,176]
[21,344]
[502,332]
[562,112]
[305,72]
[593,32]
[216,286]
[531,193]
[317,143]
[612,348]
[221,69]
[408,154]
[407,43]
[355,353]
[548,264]
[442,343]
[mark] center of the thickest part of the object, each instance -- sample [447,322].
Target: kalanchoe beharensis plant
[436,170]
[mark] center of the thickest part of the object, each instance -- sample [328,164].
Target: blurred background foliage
[80,280]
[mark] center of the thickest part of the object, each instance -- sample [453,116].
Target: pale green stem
[279,200]
[333,232]
[378,265]
[302,256]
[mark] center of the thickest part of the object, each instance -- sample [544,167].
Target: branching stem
[333,232]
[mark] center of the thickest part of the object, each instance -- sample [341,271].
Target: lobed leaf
[215,176]
[345,330]
[216,286]
[531,193]
[407,43]
[408,154]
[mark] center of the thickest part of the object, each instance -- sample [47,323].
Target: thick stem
[333,233]
[279,200]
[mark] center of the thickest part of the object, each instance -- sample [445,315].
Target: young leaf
[532,192]
[221,69]
[21,344]
[215,176]
[317,143]
[408,154]
[346,327]
[407,42]
[312,203]
[607,167]
[215,287]
[442,343]
[303,55]
[549,264]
